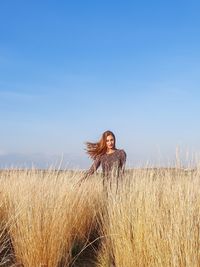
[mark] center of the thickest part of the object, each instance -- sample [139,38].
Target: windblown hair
[98,148]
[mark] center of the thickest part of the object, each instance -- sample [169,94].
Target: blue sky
[69,70]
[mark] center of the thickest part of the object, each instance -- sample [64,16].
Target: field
[48,219]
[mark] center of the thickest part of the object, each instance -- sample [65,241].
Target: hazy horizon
[82,162]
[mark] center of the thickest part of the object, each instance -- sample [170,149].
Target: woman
[108,156]
[112,161]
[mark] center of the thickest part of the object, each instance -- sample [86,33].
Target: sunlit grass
[48,219]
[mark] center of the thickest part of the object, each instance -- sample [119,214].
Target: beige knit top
[113,163]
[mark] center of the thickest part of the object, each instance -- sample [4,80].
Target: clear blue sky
[70,70]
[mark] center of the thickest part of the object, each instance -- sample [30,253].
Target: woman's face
[110,141]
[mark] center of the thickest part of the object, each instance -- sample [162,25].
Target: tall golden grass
[151,219]
[47,212]
[154,220]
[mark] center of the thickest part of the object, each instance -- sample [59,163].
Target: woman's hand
[82,179]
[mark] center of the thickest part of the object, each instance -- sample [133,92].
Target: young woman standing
[106,154]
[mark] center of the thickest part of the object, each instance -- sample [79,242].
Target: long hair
[99,148]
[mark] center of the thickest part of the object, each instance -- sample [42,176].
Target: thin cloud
[17,95]
[2,153]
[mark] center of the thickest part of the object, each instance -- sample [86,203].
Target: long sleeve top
[113,163]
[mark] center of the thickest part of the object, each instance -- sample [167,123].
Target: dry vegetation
[47,219]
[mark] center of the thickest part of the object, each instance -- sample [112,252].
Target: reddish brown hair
[98,148]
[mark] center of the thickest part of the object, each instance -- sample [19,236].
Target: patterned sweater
[113,163]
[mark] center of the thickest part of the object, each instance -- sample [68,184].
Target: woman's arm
[93,168]
[123,160]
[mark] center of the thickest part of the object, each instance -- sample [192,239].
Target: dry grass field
[152,220]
